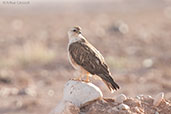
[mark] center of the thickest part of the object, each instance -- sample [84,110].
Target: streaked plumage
[85,57]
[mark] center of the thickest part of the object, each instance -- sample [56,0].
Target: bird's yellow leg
[87,77]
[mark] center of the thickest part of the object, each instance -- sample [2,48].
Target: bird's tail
[108,80]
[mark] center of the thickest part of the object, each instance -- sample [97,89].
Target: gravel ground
[135,41]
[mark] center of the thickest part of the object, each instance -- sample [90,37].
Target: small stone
[158,98]
[148,63]
[31,91]
[115,109]
[156,112]
[121,98]
[123,28]
[167,103]
[140,97]
[148,97]
[51,93]
[137,109]
[123,107]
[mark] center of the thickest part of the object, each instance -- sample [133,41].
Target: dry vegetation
[33,58]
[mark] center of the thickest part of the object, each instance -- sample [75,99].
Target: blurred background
[133,36]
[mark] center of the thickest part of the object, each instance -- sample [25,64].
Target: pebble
[31,91]
[137,109]
[148,97]
[156,112]
[148,63]
[158,98]
[121,98]
[115,109]
[140,97]
[123,107]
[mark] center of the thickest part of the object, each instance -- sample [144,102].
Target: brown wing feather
[85,55]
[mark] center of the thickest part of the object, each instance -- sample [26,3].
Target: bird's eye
[74,30]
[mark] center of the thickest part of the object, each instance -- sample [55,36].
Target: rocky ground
[86,98]
[134,38]
[140,105]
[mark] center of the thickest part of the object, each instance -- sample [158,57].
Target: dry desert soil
[134,38]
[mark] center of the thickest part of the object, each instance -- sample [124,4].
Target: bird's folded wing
[88,57]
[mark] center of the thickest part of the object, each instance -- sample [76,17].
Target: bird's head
[74,31]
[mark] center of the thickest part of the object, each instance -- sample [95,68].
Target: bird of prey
[87,59]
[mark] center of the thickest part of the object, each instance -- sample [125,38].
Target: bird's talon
[87,81]
[76,79]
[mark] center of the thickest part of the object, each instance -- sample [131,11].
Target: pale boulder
[78,92]
[75,94]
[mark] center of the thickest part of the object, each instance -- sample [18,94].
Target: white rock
[123,28]
[65,108]
[75,94]
[140,97]
[137,109]
[156,112]
[78,92]
[121,98]
[148,63]
[148,97]
[158,98]
[123,107]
